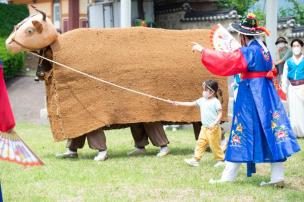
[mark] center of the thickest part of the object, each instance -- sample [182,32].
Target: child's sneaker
[219,164]
[192,162]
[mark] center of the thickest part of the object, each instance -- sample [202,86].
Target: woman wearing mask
[283,54]
[293,84]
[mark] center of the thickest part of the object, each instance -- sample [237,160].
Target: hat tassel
[264,30]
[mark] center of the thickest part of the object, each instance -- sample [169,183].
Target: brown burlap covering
[155,61]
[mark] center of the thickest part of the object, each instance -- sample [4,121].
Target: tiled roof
[193,15]
[287,22]
[297,32]
[172,8]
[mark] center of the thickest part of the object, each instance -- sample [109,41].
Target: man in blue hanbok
[260,130]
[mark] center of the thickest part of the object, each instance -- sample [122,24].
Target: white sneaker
[163,152]
[101,156]
[137,151]
[279,184]
[192,162]
[67,154]
[219,164]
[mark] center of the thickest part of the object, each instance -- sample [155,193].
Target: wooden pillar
[73,14]
[125,13]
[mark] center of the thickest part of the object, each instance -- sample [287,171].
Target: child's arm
[218,119]
[187,104]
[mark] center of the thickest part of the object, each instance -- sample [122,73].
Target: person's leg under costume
[154,131]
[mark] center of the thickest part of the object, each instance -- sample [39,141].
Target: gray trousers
[96,140]
[154,131]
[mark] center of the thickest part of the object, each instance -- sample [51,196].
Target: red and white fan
[13,149]
[222,40]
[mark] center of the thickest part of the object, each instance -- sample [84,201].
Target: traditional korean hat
[249,26]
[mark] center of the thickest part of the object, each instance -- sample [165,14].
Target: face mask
[206,94]
[296,50]
[281,45]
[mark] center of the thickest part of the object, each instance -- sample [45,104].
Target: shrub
[12,63]
[10,15]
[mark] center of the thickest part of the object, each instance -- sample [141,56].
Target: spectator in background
[283,54]
[293,85]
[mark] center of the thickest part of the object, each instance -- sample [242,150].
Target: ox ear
[37,25]
[42,13]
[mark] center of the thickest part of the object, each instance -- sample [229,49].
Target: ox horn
[43,13]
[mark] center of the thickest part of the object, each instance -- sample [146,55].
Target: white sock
[230,171]
[277,172]
[72,152]
[164,149]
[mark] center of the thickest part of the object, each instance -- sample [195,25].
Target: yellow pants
[211,137]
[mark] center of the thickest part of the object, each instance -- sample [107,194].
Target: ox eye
[30,31]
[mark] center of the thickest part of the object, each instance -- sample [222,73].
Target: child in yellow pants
[211,114]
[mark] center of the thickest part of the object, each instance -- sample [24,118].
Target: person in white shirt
[293,85]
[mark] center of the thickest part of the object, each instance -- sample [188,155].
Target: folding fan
[13,149]
[222,40]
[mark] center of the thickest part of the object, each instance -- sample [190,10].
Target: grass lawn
[143,178]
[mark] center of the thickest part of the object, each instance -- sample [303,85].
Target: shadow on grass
[121,154]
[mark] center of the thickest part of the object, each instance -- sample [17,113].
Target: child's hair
[213,86]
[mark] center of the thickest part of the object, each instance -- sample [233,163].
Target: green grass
[143,178]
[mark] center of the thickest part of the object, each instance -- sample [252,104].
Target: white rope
[104,81]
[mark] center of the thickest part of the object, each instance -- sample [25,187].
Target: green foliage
[241,6]
[10,15]
[12,63]
[260,15]
[297,11]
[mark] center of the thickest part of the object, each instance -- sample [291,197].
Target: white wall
[148,11]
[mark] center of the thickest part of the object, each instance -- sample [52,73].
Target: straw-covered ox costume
[260,130]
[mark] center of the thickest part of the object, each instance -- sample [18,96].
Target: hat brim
[281,41]
[237,27]
[277,42]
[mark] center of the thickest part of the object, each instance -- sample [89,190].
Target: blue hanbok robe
[260,130]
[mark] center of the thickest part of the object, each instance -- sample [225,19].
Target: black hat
[298,40]
[249,26]
[281,40]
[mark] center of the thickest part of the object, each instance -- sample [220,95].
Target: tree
[297,10]
[241,6]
